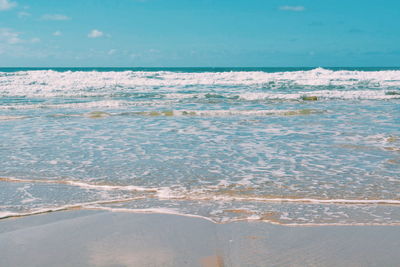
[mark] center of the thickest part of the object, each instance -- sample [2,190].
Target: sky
[199,33]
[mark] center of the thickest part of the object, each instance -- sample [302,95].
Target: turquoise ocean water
[283,145]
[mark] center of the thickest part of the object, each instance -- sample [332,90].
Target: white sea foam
[205,113]
[82,105]
[168,193]
[216,206]
[110,187]
[87,205]
[80,184]
[6,214]
[151,210]
[303,200]
[322,94]
[248,96]
[171,211]
[231,112]
[228,112]
[78,83]
[10,118]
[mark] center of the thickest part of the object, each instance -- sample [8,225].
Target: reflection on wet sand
[93,238]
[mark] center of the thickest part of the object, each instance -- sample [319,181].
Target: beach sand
[102,238]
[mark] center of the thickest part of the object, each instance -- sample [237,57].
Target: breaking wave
[49,83]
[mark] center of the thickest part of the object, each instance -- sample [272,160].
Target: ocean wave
[174,98]
[11,214]
[80,105]
[11,118]
[207,202]
[303,95]
[251,216]
[181,113]
[168,193]
[48,83]
[229,112]
[79,184]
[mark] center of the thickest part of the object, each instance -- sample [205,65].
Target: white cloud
[13,45]
[95,34]
[9,36]
[6,4]
[134,56]
[111,52]
[23,14]
[54,17]
[57,33]
[35,40]
[292,8]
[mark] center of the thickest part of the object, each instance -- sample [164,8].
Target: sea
[291,146]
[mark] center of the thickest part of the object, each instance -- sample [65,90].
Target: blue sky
[176,33]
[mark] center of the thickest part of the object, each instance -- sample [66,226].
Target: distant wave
[186,113]
[48,83]
[303,95]
[165,99]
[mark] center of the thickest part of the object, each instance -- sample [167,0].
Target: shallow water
[287,146]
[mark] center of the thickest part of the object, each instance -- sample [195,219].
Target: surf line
[78,206]
[157,192]
[81,184]
[87,206]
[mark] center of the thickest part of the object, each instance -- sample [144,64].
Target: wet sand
[102,238]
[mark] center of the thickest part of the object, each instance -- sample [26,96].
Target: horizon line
[199,67]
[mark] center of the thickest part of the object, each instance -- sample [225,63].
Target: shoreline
[161,211]
[104,238]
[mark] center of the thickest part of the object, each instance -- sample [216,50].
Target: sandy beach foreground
[101,238]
